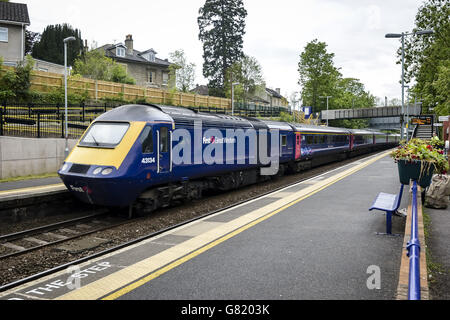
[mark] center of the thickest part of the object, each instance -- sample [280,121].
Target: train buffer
[389,203]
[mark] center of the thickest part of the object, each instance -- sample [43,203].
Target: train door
[352,141]
[164,148]
[298,145]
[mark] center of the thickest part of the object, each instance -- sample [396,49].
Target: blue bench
[389,203]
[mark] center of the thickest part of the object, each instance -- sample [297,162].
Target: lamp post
[327,97]
[407,114]
[232,97]
[403,35]
[66,149]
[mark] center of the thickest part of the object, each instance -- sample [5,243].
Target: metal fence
[48,120]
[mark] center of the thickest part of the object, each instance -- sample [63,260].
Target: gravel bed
[19,267]
[12,227]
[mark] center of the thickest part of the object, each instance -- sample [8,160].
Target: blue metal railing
[413,249]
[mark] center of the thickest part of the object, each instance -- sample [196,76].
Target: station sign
[443,118]
[307,111]
[422,120]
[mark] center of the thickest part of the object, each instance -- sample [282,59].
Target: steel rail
[49,227]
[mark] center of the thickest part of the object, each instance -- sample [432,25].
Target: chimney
[129,44]
[278,90]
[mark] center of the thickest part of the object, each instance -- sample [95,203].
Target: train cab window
[147,140]
[283,141]
[164,139]
[104,134]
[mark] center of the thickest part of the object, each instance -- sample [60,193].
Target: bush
[15,84]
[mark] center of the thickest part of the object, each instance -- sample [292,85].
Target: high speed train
[145,156]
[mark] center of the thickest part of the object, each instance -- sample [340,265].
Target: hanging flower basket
[418,160]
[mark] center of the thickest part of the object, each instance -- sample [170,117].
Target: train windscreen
[104,134]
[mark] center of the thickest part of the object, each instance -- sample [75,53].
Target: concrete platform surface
[313,240]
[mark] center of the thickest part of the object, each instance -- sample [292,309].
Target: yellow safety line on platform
[30,189]
[136,275]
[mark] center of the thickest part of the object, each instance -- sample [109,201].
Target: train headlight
[97,171]
[107,171]
[64,167]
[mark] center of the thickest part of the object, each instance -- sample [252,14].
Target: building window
[3,34]
[120,52]
[151,76]
[165,78]
[150,56]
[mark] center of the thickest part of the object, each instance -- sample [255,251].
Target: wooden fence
[46,82]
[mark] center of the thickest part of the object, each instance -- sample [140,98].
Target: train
[146,156]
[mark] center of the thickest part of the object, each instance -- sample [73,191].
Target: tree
[318,75]
[95,65]
[442,88]
[350,93]
[426,56]
[248,73]
[51,47]
[222,27]
[182,71]
[31,38]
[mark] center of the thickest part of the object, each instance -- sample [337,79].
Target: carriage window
[147,140]
[283,141]
[164,138]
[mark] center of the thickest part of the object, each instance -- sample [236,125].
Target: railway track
[37,238]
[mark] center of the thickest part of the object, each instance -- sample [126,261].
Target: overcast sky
[276,33]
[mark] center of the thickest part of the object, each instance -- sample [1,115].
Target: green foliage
[95,65]
[286,117]
[318,75]
[222,27]
[51,46]
[319,78]
[31,38]
[119,75]
[15,84]
[427,56]
[181,72]
[248,73]
[442,88]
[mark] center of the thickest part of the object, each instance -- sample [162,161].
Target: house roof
[14,12]
[201,89]
[274,93]
[135,57]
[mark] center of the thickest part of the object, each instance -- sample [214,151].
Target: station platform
[28,188]
[312,240]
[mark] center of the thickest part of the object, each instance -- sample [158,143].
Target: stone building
[143,66]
